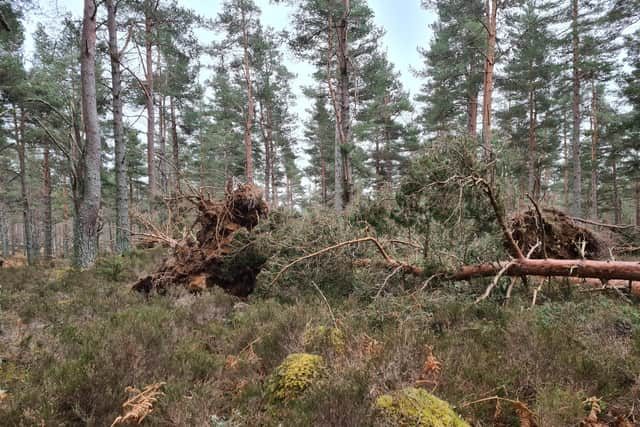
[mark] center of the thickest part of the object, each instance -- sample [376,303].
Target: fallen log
[587,269]
[605,270]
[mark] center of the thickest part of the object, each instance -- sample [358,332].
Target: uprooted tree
[208,258]
[446,188]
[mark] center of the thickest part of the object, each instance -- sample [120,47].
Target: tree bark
[123,234]
[594,151]
[638,202]
[532,155]
[472,105]
[345,103]
[614,270]
[175,144]
[267,153]
[89,184]
[151,169]
[4,231]
[24,188]
[341,101]
[65,219]
[617,214]
[576,206]
[491,11]
[48,212]
[565,165]
[249,116]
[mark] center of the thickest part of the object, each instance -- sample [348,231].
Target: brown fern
[139,405]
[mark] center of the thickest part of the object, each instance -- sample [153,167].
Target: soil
[210,259]
[563,237]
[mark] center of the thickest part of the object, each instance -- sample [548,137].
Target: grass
[71,342]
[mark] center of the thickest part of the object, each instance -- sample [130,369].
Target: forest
[241,213]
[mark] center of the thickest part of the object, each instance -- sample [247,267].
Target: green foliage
[321,339]
[81,345]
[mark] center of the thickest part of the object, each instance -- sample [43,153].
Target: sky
[406,25]
[405,22]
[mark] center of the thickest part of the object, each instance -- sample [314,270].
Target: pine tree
[453,67]
[528,75]
[337,36]
[240,23]
[320,138]
[384,103]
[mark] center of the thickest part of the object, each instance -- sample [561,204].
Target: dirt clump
[556,236]
[211,259]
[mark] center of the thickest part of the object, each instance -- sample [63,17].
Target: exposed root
[209,259]
[560,236]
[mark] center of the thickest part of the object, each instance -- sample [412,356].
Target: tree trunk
[48,214]
[594,151]
[472,106]
[345,104]
[151,169]
[617,214]
[65,220]
[24,189]
[576,206]
[620,270]
[175,144]
[88,185]
[267,154]
[491,11]
[274,177]
[532,154]
[565,165]
[162,144]
[338,201]
[4,231]
[249,116]
[323,179]
[638,202]
[123,234]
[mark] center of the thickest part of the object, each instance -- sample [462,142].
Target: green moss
[416,407]
[294,376]
[322,338]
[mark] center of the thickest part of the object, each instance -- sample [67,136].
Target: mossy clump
[296,373]
[322,338]
[416,407]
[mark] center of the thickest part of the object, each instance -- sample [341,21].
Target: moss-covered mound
[296,373]
[416,407]
[322,338]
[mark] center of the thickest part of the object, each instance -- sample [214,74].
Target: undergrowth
[71,342]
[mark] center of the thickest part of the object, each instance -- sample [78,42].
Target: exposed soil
[211,260]
[560,237]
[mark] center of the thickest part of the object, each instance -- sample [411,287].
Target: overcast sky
[405,22]
[406,25]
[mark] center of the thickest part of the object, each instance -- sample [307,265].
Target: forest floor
[72,341]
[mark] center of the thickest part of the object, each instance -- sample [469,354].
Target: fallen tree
[209,259]
[556,234]
[603,270]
